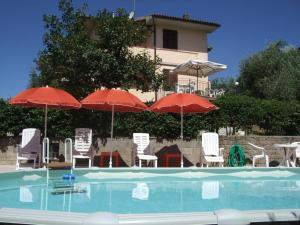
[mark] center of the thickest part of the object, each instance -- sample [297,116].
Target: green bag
[236,156]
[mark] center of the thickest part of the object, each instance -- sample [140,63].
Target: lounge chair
[143,144]
[30,147]
[82,145]
[296,154]
[261,156]
[211,151]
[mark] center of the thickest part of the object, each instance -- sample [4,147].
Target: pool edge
[225,216]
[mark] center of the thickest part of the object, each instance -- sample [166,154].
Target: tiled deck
[7,168]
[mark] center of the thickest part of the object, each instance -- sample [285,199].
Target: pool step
[65,187]
[67,190]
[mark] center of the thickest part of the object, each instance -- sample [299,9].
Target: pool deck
[7,168]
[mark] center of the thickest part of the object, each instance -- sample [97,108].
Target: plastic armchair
[261,156]
[30,147]
[212,153]
[142,144]
[297,153]
[82,145]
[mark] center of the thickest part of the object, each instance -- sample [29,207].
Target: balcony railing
[187,86]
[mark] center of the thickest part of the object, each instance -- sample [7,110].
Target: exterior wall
[190,149]
[192,44]
[188,40]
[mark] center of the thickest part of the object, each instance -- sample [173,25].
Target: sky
[246,28]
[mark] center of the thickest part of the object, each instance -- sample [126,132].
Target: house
[175,41]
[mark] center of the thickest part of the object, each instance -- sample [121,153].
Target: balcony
[204,88]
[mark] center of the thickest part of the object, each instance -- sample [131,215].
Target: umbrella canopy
[113,100]
[198,68]
[45,97]
[182,103]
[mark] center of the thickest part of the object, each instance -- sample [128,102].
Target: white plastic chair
[296,153]
[211,151]
[30,147]
[261,156]
[142,141]
[82,144]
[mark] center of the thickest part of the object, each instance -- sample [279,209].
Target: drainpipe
[154,47]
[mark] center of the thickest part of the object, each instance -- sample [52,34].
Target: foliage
[84,53]
[277,117]
[273,73]
[238,111]
[273,117]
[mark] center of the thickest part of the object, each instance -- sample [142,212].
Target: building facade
[175,41]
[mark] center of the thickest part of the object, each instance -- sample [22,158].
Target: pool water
[158,191]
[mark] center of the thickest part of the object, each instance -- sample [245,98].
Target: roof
[183,20]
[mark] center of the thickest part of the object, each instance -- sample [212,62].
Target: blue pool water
[152,191]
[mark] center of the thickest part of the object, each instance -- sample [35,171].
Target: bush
[273,117]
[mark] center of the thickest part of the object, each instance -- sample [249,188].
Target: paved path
[7,168]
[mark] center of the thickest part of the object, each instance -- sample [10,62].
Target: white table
[286,161]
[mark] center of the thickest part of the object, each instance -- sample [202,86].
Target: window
[170,39]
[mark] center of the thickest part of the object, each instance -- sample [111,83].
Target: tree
[238,111]
[273,73]
[83,53]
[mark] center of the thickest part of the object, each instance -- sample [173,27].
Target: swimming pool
[150,191]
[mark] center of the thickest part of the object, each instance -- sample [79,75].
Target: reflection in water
[210,189]
[141,191]
[26,194]
[155,195]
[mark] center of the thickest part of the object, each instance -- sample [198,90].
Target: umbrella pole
[181,135]
[197,80]
[45,139]
[46,118]
[111,134]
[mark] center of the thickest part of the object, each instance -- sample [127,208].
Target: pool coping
[222,217]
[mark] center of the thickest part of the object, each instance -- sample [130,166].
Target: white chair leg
[74,162]
[253,161]
[155,163]
[267,161]
[140,163]
[90,163]
[34,163]
[17,165]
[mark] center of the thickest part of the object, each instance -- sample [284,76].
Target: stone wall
[190,149]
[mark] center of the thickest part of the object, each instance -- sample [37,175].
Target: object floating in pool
[68,176]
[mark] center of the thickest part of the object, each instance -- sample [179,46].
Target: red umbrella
[45,97]
[113,100]
[182,103]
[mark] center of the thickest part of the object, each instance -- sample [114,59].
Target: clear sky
[246,27]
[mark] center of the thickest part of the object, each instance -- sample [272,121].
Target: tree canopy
[82,53]
[273,73]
